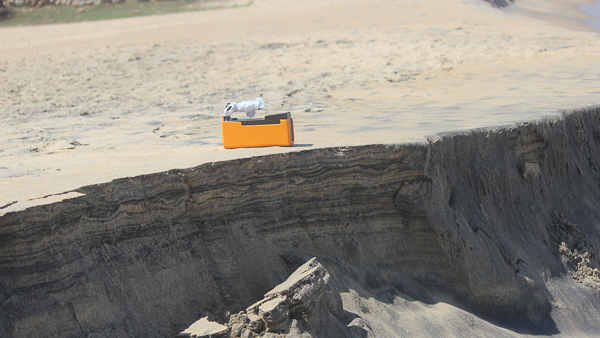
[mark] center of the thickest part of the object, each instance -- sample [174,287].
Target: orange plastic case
[273,130]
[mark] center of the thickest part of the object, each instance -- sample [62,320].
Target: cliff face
[487,221]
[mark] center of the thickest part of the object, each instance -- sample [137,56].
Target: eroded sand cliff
[486,232]
[491,232]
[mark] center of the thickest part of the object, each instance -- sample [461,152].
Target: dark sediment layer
[483,220]
[500,3]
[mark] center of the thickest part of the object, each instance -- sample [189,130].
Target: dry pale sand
[90,102]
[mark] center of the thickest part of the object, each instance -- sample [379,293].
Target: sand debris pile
[576,252]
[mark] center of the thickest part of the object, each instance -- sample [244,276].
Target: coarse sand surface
[90,102]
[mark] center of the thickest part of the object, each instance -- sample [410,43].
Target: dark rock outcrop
[469,219]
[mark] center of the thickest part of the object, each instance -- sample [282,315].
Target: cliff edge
[500,226]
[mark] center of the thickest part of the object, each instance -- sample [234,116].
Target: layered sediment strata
[483,220]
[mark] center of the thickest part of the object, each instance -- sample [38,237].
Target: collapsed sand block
[204,328]
[305,305]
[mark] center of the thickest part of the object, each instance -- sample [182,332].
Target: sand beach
[86,103]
